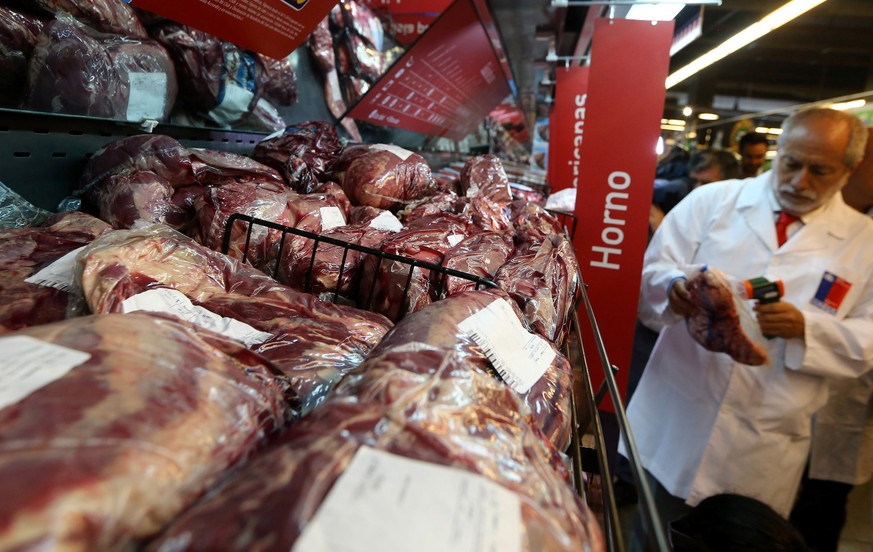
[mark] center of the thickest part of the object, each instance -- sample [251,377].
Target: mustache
[791,189]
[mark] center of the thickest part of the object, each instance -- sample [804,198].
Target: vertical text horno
[614,215]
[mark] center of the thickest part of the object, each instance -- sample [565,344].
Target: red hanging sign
[629,64]
[444,85]
[271,27]
[567,127]
[409,19]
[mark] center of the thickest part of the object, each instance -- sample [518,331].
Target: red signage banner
[444,85]
[409,19]
[625,102]
[567,127]
[274,28]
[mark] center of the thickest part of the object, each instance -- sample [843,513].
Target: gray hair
[857,131]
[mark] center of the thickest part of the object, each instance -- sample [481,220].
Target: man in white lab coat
[705,424]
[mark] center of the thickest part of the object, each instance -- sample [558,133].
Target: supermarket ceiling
[825,53]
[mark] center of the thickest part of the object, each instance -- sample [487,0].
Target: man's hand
[680,298]
[780,319]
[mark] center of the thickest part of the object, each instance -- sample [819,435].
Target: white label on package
[455,239]
[331,217]
[148,96]
[59,274]
[393,504]
[387,222]
[519,356]
[403,154]
[174,302]
[27,364]
[234,104]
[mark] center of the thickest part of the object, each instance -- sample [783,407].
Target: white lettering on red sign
[614,202]
[578,127]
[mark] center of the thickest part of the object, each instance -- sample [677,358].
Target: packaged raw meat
[79,71]
[26,251]
[480,255]
[108,16]
[484,175]
[281,86]
[216,78]
[424,395]
[383,176]
[545,283]
[533,224]
[134,417]
[302,154]
[723,322]
[18,35]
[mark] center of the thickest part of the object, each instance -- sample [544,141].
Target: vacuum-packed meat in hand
[147,417]
[722,322]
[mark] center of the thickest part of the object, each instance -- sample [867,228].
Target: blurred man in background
[753,152]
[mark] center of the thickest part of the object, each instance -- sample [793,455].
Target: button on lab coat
[705,424]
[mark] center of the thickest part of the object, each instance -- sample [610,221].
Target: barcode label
[521,358]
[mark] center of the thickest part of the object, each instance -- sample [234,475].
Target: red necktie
[782,224]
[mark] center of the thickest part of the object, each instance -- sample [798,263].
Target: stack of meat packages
[105,59]
[174,397]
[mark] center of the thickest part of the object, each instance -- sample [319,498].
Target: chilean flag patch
[831,291]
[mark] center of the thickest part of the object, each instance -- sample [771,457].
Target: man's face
[809,167]
[706,176]
[752,157]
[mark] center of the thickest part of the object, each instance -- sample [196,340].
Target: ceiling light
[654,12]
[677,122]
[708,116]
[854,104]
[753,32]
[687,111]
[672,127]
[765,130]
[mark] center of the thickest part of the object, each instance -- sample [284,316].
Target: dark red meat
[108,16]
[483,175]
[383,176]
[18,36]
[302,154]
[281,85]
[480,255]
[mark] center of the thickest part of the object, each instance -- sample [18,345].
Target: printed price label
[403,154]
[174,302]
[387,222]
[59,274]
[27,364]
[520,357]
[455,239]
[148,96]
[393,504]
[331,217]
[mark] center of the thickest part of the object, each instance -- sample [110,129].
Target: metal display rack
[583,459]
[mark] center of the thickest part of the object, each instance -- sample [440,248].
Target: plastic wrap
[281,85]
[15,211]
[383,176]
[423,394]
[313,342]
[545,283]
[24,252]
[124,441]
[79,71]
[480,255]
[109,16]
[533,224]
[484,175]
[302,154]
[18,35]
[723,322]
[217,79]
[395,293]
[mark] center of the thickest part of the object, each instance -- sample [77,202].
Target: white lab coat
[705,424]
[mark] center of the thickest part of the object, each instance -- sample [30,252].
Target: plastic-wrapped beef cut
[215,168]
[263,117]
[433,205]
[18,35]
[480,255]
[383,176]
[321,46]
[302,154]
[533,224]
[395,288]
[545,283]
[26,251]
[313,342]
[217,79]
[215,207]
[488,215]
[281,85]
[108,16]
[151,416]
[78,71]
[419,400]
[722,324]
[138,196]
[484,175]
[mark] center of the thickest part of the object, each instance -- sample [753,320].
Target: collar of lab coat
[756,204]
